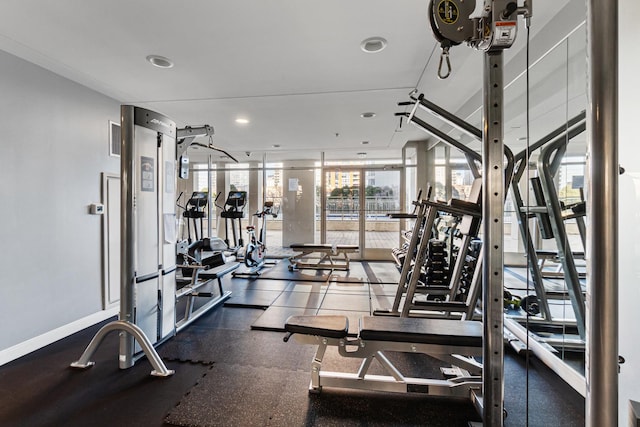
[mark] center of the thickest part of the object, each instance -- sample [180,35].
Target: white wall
[629,205]
[54,143]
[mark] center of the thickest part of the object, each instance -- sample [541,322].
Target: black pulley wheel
[530,305]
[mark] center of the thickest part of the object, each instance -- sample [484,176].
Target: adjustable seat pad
[324,326]
[421,331]
[218,271]
[322,247]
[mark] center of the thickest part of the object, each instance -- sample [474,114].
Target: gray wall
[54,147]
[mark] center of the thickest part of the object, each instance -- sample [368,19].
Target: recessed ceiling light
[242,121]
[364,142]
[276,145]
[160,61]
[373,44]
[368,115]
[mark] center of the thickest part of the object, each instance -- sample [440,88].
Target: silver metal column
[493,229]
[127,233]
[602,212]
[211,201]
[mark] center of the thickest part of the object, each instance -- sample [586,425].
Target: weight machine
[152,147]
[491,27]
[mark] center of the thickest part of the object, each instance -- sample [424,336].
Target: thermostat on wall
[96,208]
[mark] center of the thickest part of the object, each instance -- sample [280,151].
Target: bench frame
[466,381]
[200,277]
[334,257]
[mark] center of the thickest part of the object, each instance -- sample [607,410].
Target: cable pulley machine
[153,149]
[489,26]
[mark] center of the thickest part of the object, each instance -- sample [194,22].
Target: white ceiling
[294,68]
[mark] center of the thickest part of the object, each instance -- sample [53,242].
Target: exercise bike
[255,250]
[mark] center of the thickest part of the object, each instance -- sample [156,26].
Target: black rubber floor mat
[282,272]
[250,348]
[273,318]
[250,298]
[381,272]
[234,395]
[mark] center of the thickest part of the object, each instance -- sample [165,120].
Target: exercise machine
[327,256]
[492,29]
[193,211]
[151,146]
[456,343]
[427,251]
[550,215]
[256,248]
[233,212]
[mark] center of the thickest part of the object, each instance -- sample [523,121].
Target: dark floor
[233,369]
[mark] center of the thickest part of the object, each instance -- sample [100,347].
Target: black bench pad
[440,305]
[322,247]
[402,215]
[219,271]
[324,326]
[421,331]
[554,254]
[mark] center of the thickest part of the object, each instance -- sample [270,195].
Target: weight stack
[436,266]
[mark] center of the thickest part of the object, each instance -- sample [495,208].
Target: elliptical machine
[255,250]
[233,211]
[189,251]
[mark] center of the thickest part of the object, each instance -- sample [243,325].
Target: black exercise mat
[356,273]
[309,300]
[234,395]
[251,348]
[346,302]
[541,396]
[282,272]
[274,318]
[381,272]
[349,288]
[252,298]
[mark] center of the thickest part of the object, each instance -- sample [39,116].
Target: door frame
[365,253]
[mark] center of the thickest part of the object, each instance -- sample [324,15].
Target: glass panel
[382,196]
[273,193]
[544,213]
[342,208]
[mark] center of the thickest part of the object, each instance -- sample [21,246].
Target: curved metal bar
[159,368]
[551,135]
[449,118]
[445,138]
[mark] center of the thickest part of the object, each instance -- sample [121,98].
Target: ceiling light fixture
[364,142]
[373,44]
[242,121]
[160,61]
[362,155]
[368,115]
[276,145]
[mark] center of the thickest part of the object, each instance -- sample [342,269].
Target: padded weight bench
[335,257]
[202,276]
[453,341]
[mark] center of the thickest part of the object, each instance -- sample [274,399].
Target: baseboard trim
[36,343]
